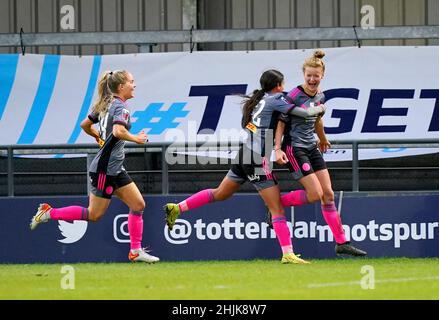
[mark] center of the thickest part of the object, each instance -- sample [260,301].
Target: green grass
[395,278]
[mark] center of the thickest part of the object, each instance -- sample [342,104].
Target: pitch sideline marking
[349,283]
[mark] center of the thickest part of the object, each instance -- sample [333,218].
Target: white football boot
[141,255]
[42,215]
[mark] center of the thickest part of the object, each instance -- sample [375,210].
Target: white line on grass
[350,283]
[220,287]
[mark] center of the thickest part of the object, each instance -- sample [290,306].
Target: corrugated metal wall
[313,13]
[91,15]
[135,15]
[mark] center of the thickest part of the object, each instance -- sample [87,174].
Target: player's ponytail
[269,80]
[249,104]
[108,86]
[104,94]
[315,61]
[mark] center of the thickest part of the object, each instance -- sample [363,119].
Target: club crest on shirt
[125,114]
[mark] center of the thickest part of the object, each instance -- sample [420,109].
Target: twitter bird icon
[72,231]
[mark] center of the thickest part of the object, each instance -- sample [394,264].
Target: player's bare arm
[323,143]
[120,132]
[281,157]
[87,126]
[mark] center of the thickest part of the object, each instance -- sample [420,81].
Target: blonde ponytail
[105,97]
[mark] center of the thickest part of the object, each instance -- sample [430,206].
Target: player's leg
[329,210]
[312,192]
[132,197]
[96,209]
[230,184]
[265,182]
[101,190]
[332,216]
[271,197]
[102,187]
[301,168]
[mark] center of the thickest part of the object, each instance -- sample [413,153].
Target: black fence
[27,170]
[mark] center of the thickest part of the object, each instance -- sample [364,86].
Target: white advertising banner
[372,93]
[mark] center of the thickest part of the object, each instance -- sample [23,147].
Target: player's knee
[94,216]
[315,195]
[328,196]
[139,205]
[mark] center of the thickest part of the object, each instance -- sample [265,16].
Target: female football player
[107,173]
[260,110]
[301,152]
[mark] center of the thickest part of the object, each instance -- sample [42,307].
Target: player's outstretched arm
[310,112]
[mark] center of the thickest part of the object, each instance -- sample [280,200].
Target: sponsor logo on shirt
[251,127]
[254,177]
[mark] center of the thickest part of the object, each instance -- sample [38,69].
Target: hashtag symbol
[158,120]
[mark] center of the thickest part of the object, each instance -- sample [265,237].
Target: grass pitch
[383,278]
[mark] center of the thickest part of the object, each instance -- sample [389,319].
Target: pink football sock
[197,200]
[135,229]
[294,198]
[69,213]
[280,226]
[333,220]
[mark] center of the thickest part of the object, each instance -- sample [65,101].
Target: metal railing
[148,38]
[91,149]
